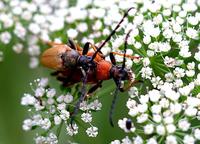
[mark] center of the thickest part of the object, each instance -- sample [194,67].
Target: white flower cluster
[166,108]
[35,22]
[165,34]
[49,110]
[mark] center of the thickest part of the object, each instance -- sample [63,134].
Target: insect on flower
[74,64]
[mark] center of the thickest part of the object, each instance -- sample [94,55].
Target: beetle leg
[94,88]
[112,58]
[72,44]
[86,48]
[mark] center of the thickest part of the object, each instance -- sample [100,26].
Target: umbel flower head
[164,108]
[49,111]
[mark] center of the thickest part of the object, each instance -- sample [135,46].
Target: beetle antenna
[112,33]
[125,47]
[83,92]
[113,104]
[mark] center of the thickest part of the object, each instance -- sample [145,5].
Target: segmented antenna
[83,92]
[125,47]
[112,33]
[119,82]
[113,104]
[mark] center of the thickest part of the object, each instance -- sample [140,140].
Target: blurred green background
[15,76]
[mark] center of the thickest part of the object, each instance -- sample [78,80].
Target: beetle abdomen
[59,57]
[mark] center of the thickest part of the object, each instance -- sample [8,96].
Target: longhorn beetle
[74,64]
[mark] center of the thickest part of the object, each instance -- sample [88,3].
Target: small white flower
[64,114]
[133,91]
[184,52]
[192,33]
[84,106]
[5,37]
[188,139]
[185,90]
[43,82]
[148,129]
[133,112]
[171,128]
[27,124]
[167,12]
[191,111]
[45,124]
[175,108]
[72,129]
[144,99]
[197,56]
[156,109]
[146,62]
[51,93]
[172,95]
[115,142]
[28,99]
[154,95]
[150,53]
[82,27]
[20,31]
[179,72]
[34,28]
[152,141]
[160,129]
[142,108]
[52,139]
[164,103]
[72,33]
[57,120]
[131,104]
[171,139]
[168,33]
[176,27]
[183,124]
[126,140]
[157,118]
[40,140]
[95,105]
[197,134]
[193,101]
[39,92]
[147,39]
[192,20]
[146,72]
[138,140]
[142,118]
[92,131]
[17,48]
[61,106]
[68,98]
[178,83]
[86,117]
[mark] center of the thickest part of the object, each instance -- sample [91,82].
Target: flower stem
[59,129]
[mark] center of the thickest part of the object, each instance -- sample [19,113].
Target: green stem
[59,129]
